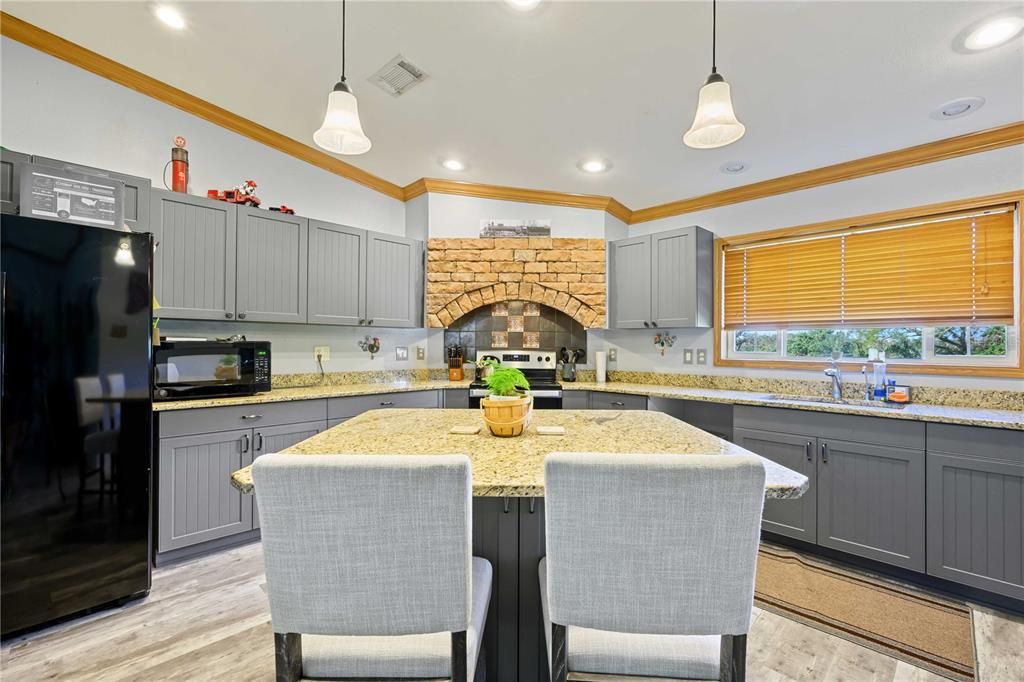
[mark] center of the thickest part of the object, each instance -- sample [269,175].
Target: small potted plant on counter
[508,408]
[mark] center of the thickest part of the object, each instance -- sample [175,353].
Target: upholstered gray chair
[650,564]
[369,566]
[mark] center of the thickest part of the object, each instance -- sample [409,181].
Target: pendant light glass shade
[341,132]
[715,124]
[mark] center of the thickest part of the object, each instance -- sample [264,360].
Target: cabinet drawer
[977,441]
[207,420]
[341,408]
[456,398]
[575,400]
[900,433]
[600,400]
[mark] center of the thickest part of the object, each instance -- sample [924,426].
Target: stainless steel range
[539,366]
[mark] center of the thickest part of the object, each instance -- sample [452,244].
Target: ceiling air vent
[397,76]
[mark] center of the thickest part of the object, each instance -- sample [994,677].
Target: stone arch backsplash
[565,274]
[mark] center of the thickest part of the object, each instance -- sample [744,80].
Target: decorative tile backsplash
[515,324]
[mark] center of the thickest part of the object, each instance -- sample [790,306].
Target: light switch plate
[702,356]
[420,353]
[401,353]
[323,351]
[613,354]
[687,356]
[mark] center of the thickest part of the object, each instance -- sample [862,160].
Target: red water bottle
[179,166]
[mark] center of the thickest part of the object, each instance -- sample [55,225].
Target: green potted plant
[508,407]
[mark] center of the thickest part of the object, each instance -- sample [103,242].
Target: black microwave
[183,370]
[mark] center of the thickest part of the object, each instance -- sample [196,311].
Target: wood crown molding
[53,45]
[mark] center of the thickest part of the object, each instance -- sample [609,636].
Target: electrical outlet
[323,352]
[613,354]
[702,356]
[401,353]
[687,356]
[420,352]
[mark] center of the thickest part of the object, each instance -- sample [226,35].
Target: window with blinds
[928,271]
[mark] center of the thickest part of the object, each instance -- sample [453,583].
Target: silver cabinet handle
[505,506]
[259,441]
[654,324]
[387,403]
[241,316]
[824,453]
[647,324]
[370,321]
[245,443]
[229,315]
[362,321]
[619,403]
[252,416]
[807,449]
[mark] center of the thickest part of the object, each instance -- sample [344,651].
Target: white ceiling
[522,97]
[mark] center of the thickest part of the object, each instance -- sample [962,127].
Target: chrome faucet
[836,375]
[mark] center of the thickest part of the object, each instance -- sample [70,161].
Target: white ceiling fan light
[715,123]
[342,131]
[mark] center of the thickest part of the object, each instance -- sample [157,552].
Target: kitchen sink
[831,401]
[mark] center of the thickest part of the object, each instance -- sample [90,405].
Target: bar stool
[650,564]
[369,566]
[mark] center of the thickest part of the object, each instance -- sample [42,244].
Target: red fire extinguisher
[179,166]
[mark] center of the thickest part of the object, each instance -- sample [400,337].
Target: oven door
[542,399]
[202,371]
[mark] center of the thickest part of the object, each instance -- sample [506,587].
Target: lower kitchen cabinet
[792,518]
[871,502]
[455,398]
[715,418]
[196,500]
[575,400]
[277,438]
[600,400]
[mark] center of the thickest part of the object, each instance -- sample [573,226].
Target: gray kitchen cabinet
[137,190]
[348,407]
[661,280]
[715,418]
[10,178]
[272,252]
[629,283]
[792,518]
[601,400]
[194,262]
[394,281]
[331,423]
[276,439]
[575,400]
[337,274]
[871,501]
[976,507]
[196,500]
[455,398]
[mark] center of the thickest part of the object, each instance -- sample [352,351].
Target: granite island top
[972,416]
[514,467]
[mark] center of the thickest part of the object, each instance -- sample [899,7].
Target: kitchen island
[508,487]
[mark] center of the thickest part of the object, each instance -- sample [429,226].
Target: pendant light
[341,132]
[715,124]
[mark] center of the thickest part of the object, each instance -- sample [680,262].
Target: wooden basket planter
[507,418]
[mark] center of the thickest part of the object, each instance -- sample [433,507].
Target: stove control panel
[522,359]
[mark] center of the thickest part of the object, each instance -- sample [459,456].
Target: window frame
[1012,364]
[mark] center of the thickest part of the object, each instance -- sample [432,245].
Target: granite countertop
[514,467]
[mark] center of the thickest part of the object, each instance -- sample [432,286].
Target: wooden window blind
[933,270]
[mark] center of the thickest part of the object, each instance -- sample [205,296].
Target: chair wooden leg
[559,653]
[733,658]
[460,657]
[288,656]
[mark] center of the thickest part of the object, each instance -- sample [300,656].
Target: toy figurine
[243,194]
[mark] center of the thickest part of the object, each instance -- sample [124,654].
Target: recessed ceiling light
[993,32]
[594,165]
[170,16]
[523,5]
[955,108]
[733,167]
[453,165]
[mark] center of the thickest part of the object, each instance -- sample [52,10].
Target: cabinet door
[871,502]
[337,274]
[792,518]
[272,253]
[196,499]
[194,263]
[629,283]
[673,278]
[575,400]
[976,522]
[137,191]
[276,439]
[394,281]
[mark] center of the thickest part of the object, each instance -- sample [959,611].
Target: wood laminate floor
[208,619]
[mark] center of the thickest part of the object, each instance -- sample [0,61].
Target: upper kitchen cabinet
[194,263]
[337,274]
[394,281]
[136,190]
[272,253]
[661,280]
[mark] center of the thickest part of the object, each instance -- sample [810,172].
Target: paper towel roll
[601,364]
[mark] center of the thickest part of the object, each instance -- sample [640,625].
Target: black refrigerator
[76,433]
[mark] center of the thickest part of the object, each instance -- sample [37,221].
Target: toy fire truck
[243,194]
